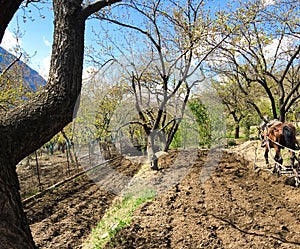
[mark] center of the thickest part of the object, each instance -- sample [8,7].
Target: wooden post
[38,170]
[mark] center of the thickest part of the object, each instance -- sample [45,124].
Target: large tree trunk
[29,126]
[15,233]
[26,128]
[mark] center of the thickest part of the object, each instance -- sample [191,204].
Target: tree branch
[96,6]
[290,62]
[7,11]
[10,65]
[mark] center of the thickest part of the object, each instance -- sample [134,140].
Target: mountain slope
[29,76]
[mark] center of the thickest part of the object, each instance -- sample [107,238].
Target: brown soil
[64,216]
[236,207]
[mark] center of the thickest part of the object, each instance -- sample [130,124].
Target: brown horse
[278,135]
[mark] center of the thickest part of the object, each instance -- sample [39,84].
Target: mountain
[27,74]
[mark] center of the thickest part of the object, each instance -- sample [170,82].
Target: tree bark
[14,230]
[153,159]
[28,127]
[282,113]
[237,130]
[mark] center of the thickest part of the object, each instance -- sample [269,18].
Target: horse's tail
[289,137]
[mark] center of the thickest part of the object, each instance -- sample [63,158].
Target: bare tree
[26,128]
[172,47]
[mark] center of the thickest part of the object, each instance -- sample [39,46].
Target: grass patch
[116,218]
[231,142]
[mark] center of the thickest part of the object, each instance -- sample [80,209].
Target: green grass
[116,218]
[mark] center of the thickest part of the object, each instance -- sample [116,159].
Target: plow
[291,171]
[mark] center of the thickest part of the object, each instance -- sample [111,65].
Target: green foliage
[185,135]
[231,143]
[99,102]
[177,140]
[194,125]
[13,89]
[203,120]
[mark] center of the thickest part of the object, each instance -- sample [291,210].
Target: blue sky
[36,36]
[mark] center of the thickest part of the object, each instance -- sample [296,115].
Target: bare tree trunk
[282,114]
[177,123]
[151,152]
[237,130]
[26,128]
[171,135]
[14,229]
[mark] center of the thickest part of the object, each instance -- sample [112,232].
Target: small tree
[107,106]
[17,82]
[199,110]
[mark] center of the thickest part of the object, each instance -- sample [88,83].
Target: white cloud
[266,3]
[44,67]
[280,46]
[9,41]
[46,42]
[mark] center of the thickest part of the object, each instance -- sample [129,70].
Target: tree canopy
[262,53]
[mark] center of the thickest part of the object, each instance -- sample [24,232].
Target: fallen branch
[41,193]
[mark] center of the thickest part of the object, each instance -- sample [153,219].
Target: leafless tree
[165,64]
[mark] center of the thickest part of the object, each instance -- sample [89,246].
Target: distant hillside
[30,76]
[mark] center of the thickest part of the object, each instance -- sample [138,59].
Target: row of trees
[258,66]
[108,113]
[248,52]
[164,52]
